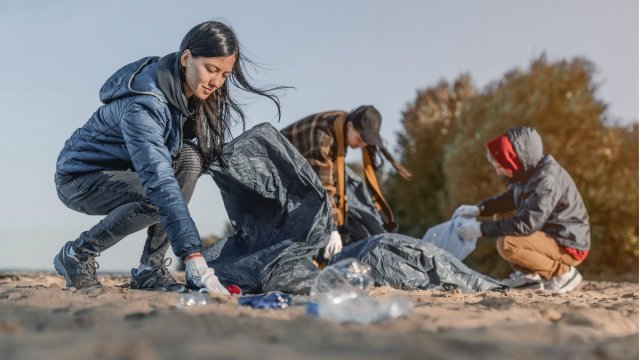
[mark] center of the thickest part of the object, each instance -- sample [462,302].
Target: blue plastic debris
[270,300]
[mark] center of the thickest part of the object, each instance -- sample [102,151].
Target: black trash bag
[279,210]
[403,262]
[363,220]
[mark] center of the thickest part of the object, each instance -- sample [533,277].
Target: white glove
[468,211]
[469,230]
[334,246]
[200,276]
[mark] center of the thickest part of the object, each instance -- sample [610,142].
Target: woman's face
[204,75]
[497,167]
[353,137]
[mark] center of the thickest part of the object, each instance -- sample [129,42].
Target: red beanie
[502,151]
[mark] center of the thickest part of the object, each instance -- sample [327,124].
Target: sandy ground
[41,319]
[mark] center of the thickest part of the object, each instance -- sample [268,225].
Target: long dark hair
[213,116]
[376,150]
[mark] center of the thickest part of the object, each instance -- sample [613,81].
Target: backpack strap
[376,194]
[338,129]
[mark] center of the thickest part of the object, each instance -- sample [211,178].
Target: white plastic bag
[446,237]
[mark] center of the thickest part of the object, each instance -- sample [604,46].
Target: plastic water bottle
[347,274]
[193,299]
[340,293]
[354,307]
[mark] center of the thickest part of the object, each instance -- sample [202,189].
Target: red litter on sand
[234,290]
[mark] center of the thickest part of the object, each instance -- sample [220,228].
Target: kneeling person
[549,235]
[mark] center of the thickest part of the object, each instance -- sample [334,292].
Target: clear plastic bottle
[347,274]
[193,299]
[340,293]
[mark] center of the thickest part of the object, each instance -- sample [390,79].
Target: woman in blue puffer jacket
[138,157]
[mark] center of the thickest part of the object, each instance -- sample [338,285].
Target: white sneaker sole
[571,284]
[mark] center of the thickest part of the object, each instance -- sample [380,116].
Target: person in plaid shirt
[315,136]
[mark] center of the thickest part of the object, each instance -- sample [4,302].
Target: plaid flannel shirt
[313,136]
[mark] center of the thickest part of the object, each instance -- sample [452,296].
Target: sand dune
[41,319]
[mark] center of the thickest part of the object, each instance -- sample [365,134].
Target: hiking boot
[155,278]
[520,280]
[564,283]
[77,268]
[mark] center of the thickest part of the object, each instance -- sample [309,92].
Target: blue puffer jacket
[137,128]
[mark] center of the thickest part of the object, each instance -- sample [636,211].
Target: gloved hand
[468,211]
[469,230]
[334,246]
[199,275]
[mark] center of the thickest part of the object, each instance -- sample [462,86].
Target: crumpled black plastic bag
[282,218]
[280,212]
[363,220]
[403,262]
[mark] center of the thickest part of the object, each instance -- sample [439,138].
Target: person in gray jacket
[137,159]
[549,234]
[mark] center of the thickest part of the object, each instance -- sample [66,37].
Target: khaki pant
[537,253]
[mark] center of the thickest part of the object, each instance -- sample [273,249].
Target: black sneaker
[157,278]
[79,269]
[522,280]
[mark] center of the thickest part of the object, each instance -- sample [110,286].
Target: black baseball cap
[367,120]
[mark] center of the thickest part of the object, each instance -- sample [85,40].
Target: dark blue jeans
[120,196]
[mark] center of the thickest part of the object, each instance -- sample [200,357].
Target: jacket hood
[154,76]
[527,144]
[170,82]
[137,78]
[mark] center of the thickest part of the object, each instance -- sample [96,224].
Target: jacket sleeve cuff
[486,229]
[183,255]
[482,206]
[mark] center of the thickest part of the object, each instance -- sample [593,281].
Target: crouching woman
[137,159]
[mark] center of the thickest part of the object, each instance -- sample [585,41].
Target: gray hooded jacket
[543,195]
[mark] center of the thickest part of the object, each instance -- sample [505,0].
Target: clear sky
[337,54]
